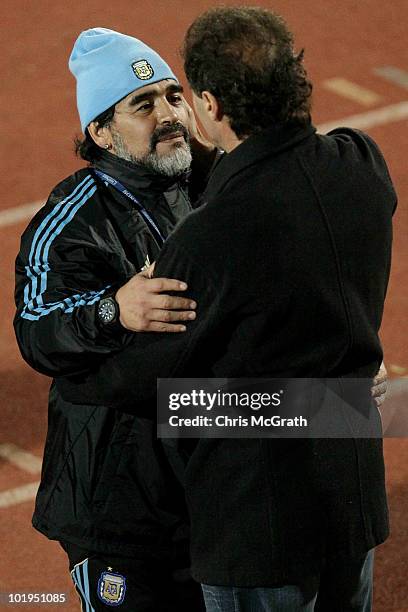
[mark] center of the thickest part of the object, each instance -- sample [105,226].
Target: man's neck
[232,144]
[227,139]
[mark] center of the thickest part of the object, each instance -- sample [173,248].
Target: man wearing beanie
[108,493]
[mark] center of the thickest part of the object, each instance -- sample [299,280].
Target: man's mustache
[168,130]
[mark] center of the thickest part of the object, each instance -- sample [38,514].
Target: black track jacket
[105,485]
[289,262]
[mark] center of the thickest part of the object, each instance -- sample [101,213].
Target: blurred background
[357,57]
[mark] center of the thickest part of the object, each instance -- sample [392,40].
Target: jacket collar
[136,178]
[269,142]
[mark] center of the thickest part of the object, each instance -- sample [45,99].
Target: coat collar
[268,142]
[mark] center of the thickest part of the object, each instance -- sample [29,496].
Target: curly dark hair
[86,147]
[244,56]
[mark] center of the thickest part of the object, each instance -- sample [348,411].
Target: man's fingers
[379,389]
[168,316]
[145,306]
[158,285]
[172,302]
[378,401]
[156,326]
[380,377]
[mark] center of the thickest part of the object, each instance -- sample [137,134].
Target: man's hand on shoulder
[145,305]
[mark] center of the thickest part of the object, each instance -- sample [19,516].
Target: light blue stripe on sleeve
[67,305]
[37,242]
[58,224]
[55,210]
[41,268]
[56,233]
[32,272]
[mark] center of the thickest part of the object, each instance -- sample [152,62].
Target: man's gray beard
[173,163]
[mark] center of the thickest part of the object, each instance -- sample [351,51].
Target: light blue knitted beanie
[108,66]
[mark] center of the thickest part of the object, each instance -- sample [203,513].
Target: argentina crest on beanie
[108,66]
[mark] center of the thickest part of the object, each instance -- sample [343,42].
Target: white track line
[394,75]
[21,458]
[14,215]
[363,121]
[380,116]
[25,493]
[352,91]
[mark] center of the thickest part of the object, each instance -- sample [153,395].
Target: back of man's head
[244,56]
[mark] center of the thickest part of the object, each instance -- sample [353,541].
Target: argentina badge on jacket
[111,588]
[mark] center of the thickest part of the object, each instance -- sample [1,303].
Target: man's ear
[212,106]
[100,135]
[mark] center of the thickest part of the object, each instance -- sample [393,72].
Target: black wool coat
[289,261]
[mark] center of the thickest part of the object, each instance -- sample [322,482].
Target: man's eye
[175,99]
[145,106]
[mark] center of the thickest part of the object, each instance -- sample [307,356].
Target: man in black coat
[289,262]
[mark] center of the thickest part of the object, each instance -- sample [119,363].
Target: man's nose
[166,113]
